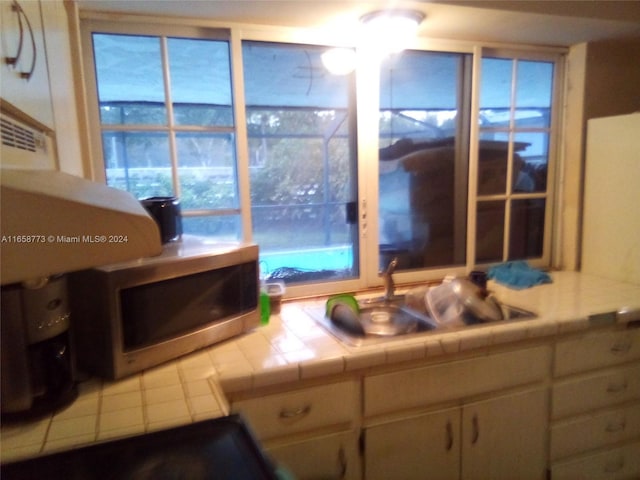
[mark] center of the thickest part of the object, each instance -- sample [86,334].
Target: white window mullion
[173,150]
[474,153]
[510,161]
[242,139]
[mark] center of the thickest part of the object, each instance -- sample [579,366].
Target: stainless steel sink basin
[383,321]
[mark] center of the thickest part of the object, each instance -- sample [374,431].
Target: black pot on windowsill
[166,213]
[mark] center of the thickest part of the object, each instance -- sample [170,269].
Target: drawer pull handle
[616,427]
[342,463]
[449,443]
[617,387]
[613,467]
[621,347]
[298,412]
[476,430]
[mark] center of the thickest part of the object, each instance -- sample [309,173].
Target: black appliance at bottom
[217,449]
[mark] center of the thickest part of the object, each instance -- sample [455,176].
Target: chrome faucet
[387,278]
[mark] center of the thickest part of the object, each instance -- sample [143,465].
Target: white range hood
[53,223]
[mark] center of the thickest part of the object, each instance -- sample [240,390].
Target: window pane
[200,82]
[130,81]
[495,91]
[527,228]
[531,160]
[302,166]
[533,94]
[207,171]
[423,164]
[492,163]
[138,162]
[225,228]
[490,231]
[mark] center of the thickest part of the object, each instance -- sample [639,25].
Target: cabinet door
[30,95]
[421,447]
[330,457]
[505,437]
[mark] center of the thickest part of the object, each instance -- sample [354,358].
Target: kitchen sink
[385,320]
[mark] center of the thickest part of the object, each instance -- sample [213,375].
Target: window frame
[172,129]
[367,136]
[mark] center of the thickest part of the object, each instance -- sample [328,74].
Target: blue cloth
[518,275]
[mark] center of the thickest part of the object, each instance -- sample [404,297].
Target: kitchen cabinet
[503,437]
[312,431]
[498,437]
[25,85]
[425,446]
[596,406]
[324,457]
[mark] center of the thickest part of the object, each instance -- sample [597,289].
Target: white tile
[507,333]
[163,394]
[198,387]
[89,387]
[123,432]
[81,407]
[365,359]
[276,375]
[121,401]
[168,423]
[72,427]
[204,404]
[197,373]
[406,351]
[475,338]
[119,419]
[130,384]
[167,412]
[199,359]
[20,453]
[322,366]
[434,347]
[450,343]
[68,443]
[24,434]
[161,376]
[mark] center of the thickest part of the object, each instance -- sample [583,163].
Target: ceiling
[553,23]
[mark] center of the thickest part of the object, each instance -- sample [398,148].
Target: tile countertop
[290,348]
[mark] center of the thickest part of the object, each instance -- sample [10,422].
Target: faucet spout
[387,278]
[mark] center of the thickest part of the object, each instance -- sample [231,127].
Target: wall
[602,80]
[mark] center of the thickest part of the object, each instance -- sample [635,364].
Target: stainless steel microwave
[132,316]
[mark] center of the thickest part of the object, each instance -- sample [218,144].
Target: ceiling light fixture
[339,61]
[390,31]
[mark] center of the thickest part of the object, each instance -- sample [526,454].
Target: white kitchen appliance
[611,223]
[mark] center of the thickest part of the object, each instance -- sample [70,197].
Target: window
[167,125]
[302,163]
[514,149]
[424,159]
[455,150]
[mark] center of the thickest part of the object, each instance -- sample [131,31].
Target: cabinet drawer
[618,463]
[300,410]
[390,392]
[607,388]
[596,349]
[599,430]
